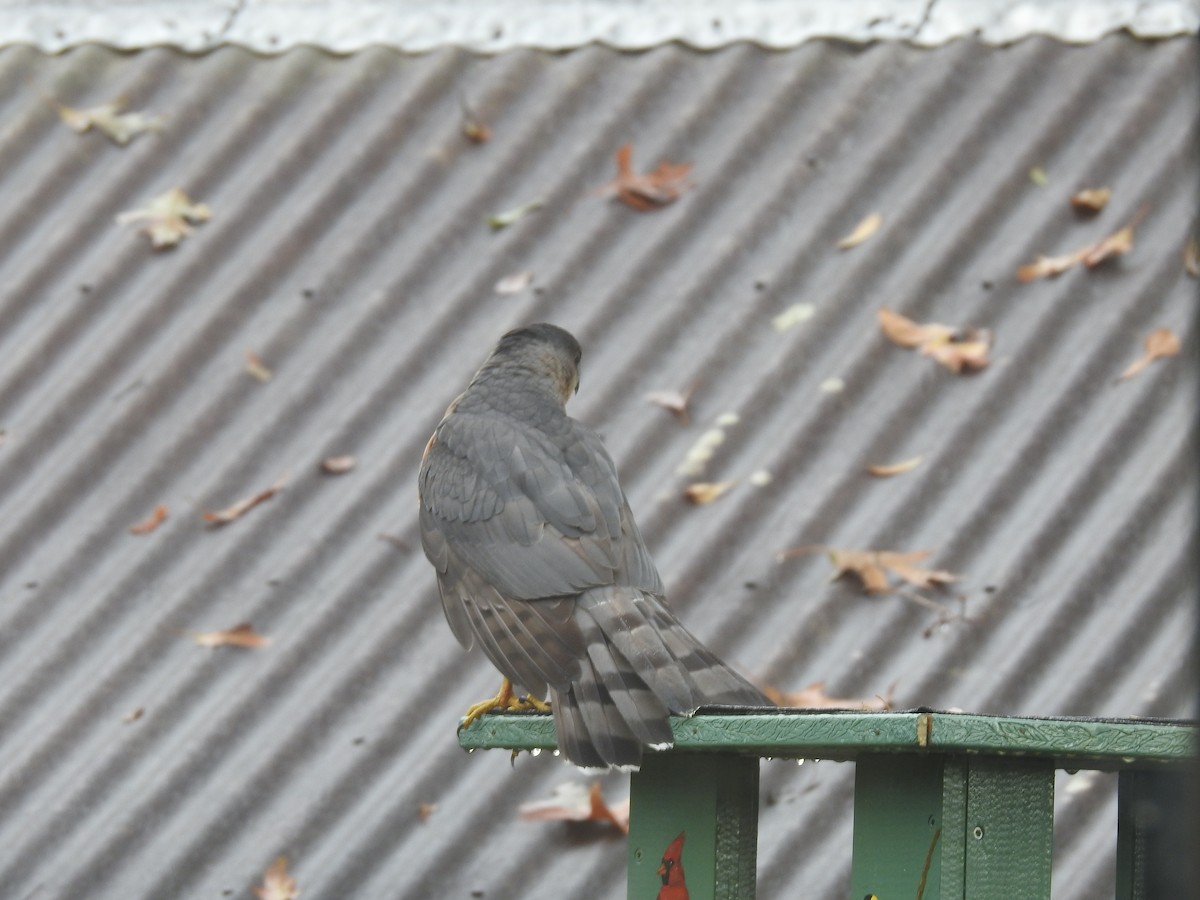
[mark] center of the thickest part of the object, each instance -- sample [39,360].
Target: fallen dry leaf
[277,883]
[1048,266]
[1159,344]
[1115,244]
[862,231]
[134,714]
[148,524]
[167,217]
[946,615]
[1191,257]
[793,316]
[814,697]
[398,542]
[966,353]
[572,802]
[904,332]
[1091,200]
[698,455]
[474,129]
[675,402]
[897,468]
[242,635]
[256,368]
[425,810]
[512,216]
[513,284]
[703,492]
[650,191]
[338,465]
[108,119]
[871,567]
[957,349]
[903,565]
[235,511]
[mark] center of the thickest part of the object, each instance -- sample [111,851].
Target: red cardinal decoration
[671,872]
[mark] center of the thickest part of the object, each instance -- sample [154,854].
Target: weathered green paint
[897,816]
[1009,828]
[1074,743]
[713,799]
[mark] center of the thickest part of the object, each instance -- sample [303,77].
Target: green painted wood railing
[947,805]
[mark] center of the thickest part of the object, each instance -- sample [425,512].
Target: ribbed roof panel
[348,248]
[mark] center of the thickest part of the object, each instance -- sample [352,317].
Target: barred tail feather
[641,666]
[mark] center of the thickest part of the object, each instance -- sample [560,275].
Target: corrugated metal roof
[348,248]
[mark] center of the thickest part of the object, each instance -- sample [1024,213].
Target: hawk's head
[547,350]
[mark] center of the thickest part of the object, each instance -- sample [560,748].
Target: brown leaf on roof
[966,352]
[1118,243]
[256,368]
[871,567]
[242,635]
[425,810]
[1047,266]
[650,191]
[815,697]
[675,402]
[904,332]
[1159,344]
[148,524]
[108,119]
[903,565]
[398,542]
[277,883]
[167,217]
[1091,200]
[704,492]
[897,468]
[235,511]
[474,129]
[572,802]
[338,465]
[1191,257]
[958,349]
[1115,244]
[862,231]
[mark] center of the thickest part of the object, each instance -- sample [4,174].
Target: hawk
[540,562]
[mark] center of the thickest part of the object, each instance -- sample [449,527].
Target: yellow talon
[506,701]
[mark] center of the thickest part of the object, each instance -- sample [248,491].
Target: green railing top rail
[844,735]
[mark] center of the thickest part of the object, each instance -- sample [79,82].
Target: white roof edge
[272,26]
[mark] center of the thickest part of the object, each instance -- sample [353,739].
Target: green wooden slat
[712,799]
[1010,828]
[898,827]
[1132,837]
[954,828]
[844,735]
